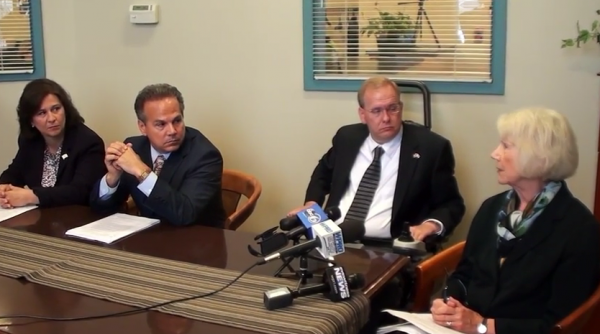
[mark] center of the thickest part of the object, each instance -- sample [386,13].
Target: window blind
[435,40]
[15,37]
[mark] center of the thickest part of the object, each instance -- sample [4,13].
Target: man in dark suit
[172,172]
[386,172]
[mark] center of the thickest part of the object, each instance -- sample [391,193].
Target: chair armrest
[431,271]
[433,243]
[579,320]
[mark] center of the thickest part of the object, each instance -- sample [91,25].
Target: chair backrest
[421,87]
[236,184]
[431,271]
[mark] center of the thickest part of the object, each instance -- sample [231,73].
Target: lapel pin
[64,156]
[416,156]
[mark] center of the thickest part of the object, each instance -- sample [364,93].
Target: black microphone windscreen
[333,213]
[352,230]
[356,281]
[288,223]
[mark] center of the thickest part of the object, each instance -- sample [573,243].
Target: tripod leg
[286,264]
[301,282]
[432,31]
[419,23]
[318,259]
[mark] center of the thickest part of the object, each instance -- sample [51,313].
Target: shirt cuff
[147,185]
[437,222]
[106,191]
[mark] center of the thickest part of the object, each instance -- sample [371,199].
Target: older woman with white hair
[532,254]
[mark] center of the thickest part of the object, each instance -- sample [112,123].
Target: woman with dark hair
[59,158]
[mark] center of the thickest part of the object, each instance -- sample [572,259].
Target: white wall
[239,66]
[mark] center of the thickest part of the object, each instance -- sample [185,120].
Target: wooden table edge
[386,277]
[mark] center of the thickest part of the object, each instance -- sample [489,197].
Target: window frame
[37,47]
[498,66]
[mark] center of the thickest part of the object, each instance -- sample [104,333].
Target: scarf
[513,224]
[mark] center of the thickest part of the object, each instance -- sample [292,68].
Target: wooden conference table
[195,244]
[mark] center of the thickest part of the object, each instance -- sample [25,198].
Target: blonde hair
[544,139]
[375,83]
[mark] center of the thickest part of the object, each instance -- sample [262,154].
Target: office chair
[421,87]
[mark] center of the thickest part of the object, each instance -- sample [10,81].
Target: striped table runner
[139,280]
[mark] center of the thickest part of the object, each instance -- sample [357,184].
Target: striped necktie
[158,164]
[366,189]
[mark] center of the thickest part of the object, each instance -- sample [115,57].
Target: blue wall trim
[496,87]
[37,36]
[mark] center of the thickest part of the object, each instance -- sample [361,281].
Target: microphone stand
[303,273]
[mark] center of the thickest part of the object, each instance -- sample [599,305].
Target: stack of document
[415,323]
[9,213]
[112,228]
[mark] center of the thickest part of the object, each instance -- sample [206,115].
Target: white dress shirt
[379,218]
[145,186]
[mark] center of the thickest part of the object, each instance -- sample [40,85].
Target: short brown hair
[374,82]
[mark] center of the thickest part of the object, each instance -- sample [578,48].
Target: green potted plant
[392,31]
[584,35]
[332,60]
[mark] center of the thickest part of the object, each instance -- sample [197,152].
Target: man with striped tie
[387,172]
[172,172]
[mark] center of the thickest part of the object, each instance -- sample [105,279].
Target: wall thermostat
[143,14]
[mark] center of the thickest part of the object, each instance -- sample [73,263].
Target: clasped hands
[121,157]
[454,315]
[14,197]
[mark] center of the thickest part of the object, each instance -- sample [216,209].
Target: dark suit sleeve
[573,281]
[460,278]
[202,182]
[446,202]
[114,202]
[89,168]
[320,180]
[13,174]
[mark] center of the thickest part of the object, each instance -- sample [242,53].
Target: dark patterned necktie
[158,164]
[366,189]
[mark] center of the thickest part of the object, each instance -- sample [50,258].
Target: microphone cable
[130,312]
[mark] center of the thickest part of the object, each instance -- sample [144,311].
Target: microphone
[336,286]
[271,242]
[329,240]
[302,222]
[289,223]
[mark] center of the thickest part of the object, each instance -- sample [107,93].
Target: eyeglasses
[392,109]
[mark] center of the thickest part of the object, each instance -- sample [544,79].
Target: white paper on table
[9,213]
[423,321]
[407,328]
[112,228]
